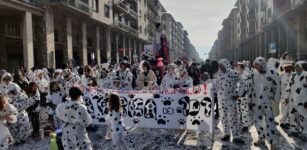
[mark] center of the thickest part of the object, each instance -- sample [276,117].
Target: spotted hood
[260,61]
[225,63]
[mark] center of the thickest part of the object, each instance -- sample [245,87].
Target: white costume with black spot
[227,88]
[297,93]
[283,106]
[53,100]
[75,119]
[118,130]
[273,63]
[5,88]
[169,80]
[21,129]
[105,83]
[186,82]
[5,136]
[246,116]
[265,89]
[126,78]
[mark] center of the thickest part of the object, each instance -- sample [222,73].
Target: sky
[201,18]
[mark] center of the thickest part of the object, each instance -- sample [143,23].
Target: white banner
[183,108]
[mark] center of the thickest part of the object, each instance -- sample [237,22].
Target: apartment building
[53,33]
[263,23]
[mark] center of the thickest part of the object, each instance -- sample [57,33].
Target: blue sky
[201,18]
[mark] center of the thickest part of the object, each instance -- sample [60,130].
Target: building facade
[268,28]
[53,33]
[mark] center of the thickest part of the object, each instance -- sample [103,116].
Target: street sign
[273,48]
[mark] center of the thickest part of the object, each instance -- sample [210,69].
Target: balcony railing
[37,3]
[124,8]
[151,16]
[121,5]
[125,27]
[77,4]
[133,13]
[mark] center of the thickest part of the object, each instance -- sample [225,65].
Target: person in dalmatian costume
[21,129]
[34,109]
[54,98]
[171,78]
[70,79]
[75,118]
[105,80]
[88,73]
[274,64]
[265,89]
[115,86]
[46,74]
[125,75]
[58,76]
[243,68]
[117,124]
[285,78]
[7,84]
[228,93]
[8,114]
[296,97]
[184,80]
[43,87]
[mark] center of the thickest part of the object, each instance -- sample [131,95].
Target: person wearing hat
[171,78]
[125,75]
[296,97]
[285,78]
[75,118]
[105,80]
[265,90]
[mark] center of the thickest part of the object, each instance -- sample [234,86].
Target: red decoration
[130,49]
[121,49]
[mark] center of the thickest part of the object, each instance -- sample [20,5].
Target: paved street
[161,139]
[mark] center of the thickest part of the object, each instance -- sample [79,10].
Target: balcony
[37,3]
[76,5]
[123,8]
[152,17]
[125,28]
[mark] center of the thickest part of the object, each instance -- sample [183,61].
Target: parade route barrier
[182,108]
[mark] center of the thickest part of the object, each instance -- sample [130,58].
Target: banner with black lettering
[182,108]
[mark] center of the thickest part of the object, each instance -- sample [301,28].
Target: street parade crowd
[263,94]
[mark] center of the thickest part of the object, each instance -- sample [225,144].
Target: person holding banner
[185,80]
[105,81]
[228,93]
[75,118]
[265,90]
[125,75]
[171,78]
[117,123]
[147,79]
